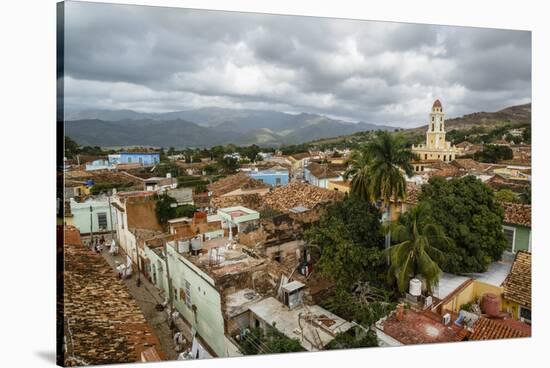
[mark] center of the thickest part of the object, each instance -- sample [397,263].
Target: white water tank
[415,287]
[196,243]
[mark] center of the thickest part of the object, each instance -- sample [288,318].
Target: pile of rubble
[252,201]
[299,194]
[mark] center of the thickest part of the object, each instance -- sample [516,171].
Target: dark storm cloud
[163,59]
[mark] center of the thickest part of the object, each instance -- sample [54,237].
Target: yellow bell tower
[435,136]
[436,147]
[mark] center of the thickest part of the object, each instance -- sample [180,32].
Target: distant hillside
[520,114]
[204,127]
[172,133]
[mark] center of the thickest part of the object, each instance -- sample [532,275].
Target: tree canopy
[350,241]
[270,342]
[469,214]
[229,165]
[167,209]
[506,195]
[493,153]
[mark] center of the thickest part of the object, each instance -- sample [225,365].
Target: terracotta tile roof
[490,329]
[105,325]
[517,213]
[464,144]
[467,164]
[299,194]
[443,169]
[517,286]
[230,183]
[105,176]
[498,182]
[300,156]
[418,328]
[322,171]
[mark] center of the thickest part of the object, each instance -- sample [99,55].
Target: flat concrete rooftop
[292,322]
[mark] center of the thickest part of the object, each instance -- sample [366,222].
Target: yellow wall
[398,209]
[332,185]
[475,290]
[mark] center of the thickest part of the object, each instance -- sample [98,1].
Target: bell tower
[435,136]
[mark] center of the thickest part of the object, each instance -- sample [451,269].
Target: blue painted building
[273,177]
[142,158]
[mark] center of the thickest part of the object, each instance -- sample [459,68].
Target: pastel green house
[517,226]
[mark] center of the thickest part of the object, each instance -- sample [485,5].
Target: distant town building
[320,175]
[436,147]
[160,184]
[100,164]
[276,176]
[142,158]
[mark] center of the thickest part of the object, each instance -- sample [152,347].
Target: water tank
[196,243]
[415,287]
[490,304]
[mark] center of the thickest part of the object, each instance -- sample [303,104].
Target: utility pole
[111,217]
[138,280]
[91,226]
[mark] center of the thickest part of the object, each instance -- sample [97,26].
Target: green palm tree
[415,251]
[391,159]
[358,169]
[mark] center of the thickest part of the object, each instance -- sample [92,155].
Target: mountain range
[204,127]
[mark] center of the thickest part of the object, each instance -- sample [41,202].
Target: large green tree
[350,242]
[470,215]
[415,253]
[229,165]
[71,147]
[493,153]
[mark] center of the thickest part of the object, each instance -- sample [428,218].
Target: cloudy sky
[156,59]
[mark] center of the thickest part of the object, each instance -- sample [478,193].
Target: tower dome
[437,104]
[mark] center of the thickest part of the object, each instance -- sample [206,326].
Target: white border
[28,181]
